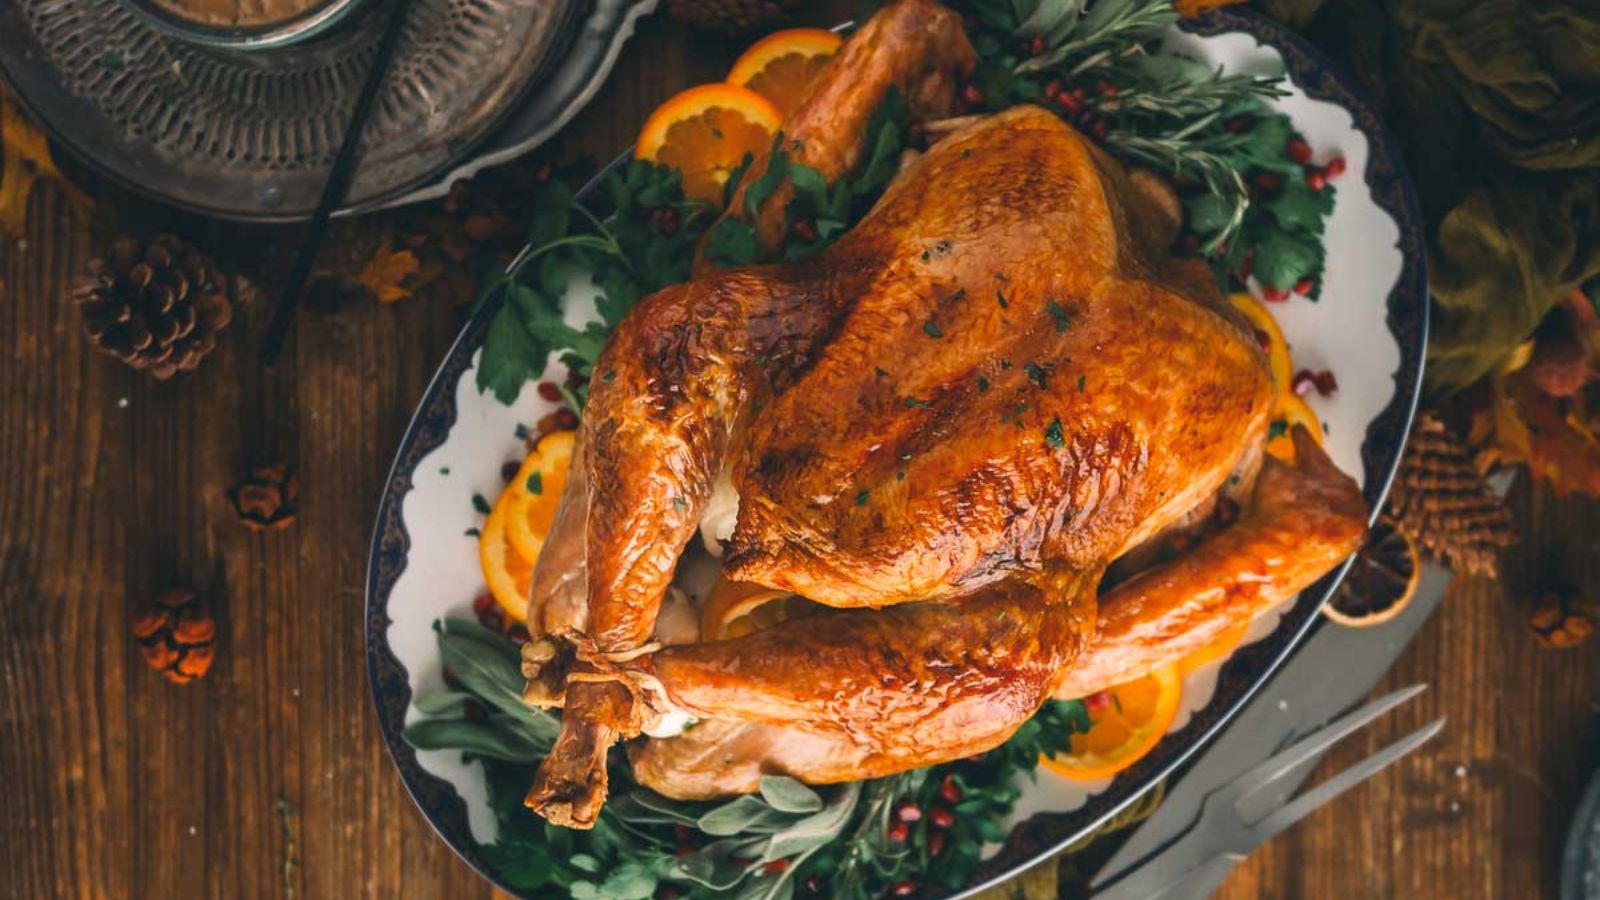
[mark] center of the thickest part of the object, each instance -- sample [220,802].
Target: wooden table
[268,778]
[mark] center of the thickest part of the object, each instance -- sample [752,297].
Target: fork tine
[1302,805]
[1274,767]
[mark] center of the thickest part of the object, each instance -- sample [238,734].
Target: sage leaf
[788,795]
[741,814]
[479,738]
[491,670]
[719,865]
[442,703]
[818,829]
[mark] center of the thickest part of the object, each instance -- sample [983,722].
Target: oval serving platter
[1369,327]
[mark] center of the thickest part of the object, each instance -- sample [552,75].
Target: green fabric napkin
[1496,105]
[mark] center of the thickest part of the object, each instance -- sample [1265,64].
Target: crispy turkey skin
[942,430]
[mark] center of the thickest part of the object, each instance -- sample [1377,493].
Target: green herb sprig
[755,846]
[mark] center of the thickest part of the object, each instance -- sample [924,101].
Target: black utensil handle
[339,177]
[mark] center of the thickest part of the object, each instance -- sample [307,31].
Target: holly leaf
[386,270]
[1282,259]
[1208,213]
[1300,209]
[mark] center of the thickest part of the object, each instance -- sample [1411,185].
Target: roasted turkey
[943,431]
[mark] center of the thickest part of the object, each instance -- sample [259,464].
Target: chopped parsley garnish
[983,385]
[1053,435]
[680,504]
[1035,374]
[915,403]
[1082,380]
[959,295]
[1000,297]
[878,370]
[1277,429]
[480,504]
[900,475]
[861,498]
[1063,320]
[535,483]
[932,329]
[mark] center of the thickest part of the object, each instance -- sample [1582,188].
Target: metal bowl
[315,19]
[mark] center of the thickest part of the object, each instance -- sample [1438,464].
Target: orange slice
[1271,338]
[1219,649]
[781,66]
[705,133]
[509,575]
[536,489]
[1291,411]
[728,608]
[1126,721]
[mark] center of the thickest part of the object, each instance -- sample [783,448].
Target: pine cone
[1442,502]
[732,17]
[1556,623]
[266,498]
[175,636]
[155,305]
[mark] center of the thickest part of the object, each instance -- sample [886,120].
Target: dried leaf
[24,159]
[1191,8]
[384,272]
[1557,438]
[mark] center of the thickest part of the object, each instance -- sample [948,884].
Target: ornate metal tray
[251,134]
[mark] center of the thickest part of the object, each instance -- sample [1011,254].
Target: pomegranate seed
[804,229]
[549,391]
[667,221]
[972,95]
[668,892]
[908,811]
[898,832]
[1305,286]
[493,619]
[904,889]
[1265,181]
[519,634]
[1101,128]
[1316,180]
[1036,46]
[1238,124]
[1304,383]
[566,419]
[482,604]
[1262,338]
[683,833]
[949,790]
[508,470]
[776,867]
[1274,295]
[941,817]
[1298,150]
[1326,383]
[1079,95]
[1106,88]
[1069,102]
[935,843]
[1052,88]
[1334,168]
[1099,702]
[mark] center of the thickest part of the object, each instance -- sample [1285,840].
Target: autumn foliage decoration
[1541,406]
